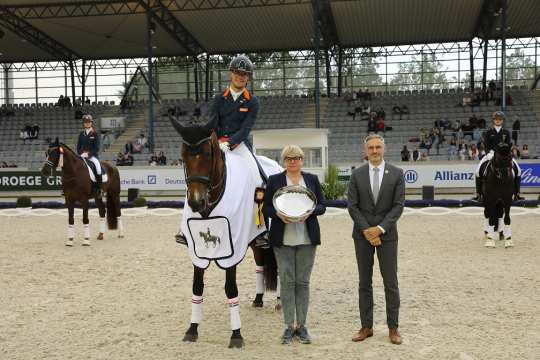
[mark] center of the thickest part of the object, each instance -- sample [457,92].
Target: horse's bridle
[195,149]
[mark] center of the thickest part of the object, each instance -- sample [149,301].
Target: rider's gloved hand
[84,155]
[490,154]
[225,146]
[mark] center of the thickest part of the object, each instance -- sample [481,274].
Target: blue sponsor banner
[530,174]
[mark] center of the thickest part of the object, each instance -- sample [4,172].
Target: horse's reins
[194,149]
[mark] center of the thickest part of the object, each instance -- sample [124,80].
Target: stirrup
[181,239]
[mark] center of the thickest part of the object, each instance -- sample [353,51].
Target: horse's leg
[196,305]
[259,275]
[71,223]
[492,215]
[500,219]
[101,209]
[231,290]
[507,232]
[86,223]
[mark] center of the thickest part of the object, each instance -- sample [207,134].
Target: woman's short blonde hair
[291,151]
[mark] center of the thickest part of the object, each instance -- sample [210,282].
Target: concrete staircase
[134,124]
[309,114]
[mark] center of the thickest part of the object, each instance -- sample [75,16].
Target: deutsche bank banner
[451,175]
[149,178]
[152,178]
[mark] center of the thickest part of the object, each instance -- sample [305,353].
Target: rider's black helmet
[87,118]
[241,63]
[498,114]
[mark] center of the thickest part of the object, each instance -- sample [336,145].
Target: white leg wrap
[87,231]
[120,227]
[491,233]
[278,288]
[501,224]
[196,309]
[71,231]
[234,308]
[259,285]
[507,232]
[486,225]
[102,225]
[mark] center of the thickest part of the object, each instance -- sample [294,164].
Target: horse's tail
[113,199]
[270,269]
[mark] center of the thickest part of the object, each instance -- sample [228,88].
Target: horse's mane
[68,148]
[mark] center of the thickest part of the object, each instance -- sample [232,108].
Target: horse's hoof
[86,242]
[236,343]
[100,236]
[69,242]
[120,236]
[508,243]
[278,307]
[189,337]
[257,304]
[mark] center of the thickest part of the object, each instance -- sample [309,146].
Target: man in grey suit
[376,195]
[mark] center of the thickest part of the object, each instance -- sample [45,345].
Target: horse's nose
[197,205]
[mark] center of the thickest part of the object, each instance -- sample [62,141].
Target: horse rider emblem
[209,238]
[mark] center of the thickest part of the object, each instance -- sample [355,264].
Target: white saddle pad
[104,177]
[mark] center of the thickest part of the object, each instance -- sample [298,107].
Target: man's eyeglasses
[293,158]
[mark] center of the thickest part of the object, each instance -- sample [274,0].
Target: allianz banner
[451,175]
[148,178]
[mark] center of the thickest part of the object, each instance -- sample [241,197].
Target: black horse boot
[98,184]
[517,188]
[479,196]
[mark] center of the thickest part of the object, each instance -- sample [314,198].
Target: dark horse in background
[205,171]
[78,188]
[498,191]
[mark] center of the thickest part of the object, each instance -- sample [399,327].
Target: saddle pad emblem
[211,237]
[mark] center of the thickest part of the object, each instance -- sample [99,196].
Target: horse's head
[200,151]
[503,155]
[53,154]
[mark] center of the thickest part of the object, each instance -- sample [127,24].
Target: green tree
[422,72]
[519,68]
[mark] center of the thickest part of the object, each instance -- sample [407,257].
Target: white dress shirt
[235,94]
[381,174]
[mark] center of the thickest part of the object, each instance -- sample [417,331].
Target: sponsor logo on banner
[28,180]
[152,179]
[411,176]
[449,175]
[530,175]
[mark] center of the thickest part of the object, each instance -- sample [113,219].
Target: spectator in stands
[476,99]
[525,152]
[481,151]
[366,110]
[396,110]
[516,127]
[509,100]
[381,113]
[78,114]
[141,142]
[162,159]
[372,124]
[476,135]
[492,87]
[452,150]
[516,154]
[424,156]
[4,164]
[128,148]
[12,164]
[128,159]
[473,122]
[60,101]
[436,139]
[380,126]
[25,133]
[364,95]
[78,102]
[34,133]
[404,109]
[120,161]
[87,101]
[175,163]
[473,152]
[415,154]
[405,154]
[463,152]
[482,123]
[153,161]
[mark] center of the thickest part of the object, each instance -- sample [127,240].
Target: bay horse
[498,189]
[78,188]
[205,171]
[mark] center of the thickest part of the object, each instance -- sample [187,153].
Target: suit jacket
[234,119]
[277,227]
[363,209]
[88,143]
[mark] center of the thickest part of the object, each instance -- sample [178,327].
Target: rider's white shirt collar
[87,131]
[235,94]
[497,128]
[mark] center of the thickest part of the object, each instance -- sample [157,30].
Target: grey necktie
[375,183]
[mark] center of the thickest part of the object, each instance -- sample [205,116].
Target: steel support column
[150,82]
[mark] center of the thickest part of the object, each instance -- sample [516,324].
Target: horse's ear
[176,124]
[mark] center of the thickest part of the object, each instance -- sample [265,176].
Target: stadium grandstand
[320,64]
